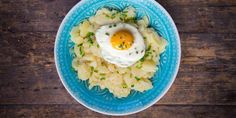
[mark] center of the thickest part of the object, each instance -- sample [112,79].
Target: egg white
[121,58]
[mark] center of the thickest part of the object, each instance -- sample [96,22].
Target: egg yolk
[122,40]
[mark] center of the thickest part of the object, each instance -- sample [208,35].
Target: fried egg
[121,44]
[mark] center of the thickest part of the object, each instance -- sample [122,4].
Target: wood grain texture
[68,111]
[204,87]
[42,15]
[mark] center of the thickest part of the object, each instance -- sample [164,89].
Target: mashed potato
[90,65]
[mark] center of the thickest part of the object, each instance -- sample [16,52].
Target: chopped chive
[149,48]
[142,59]
[113,15]
[137,78]
[148,53]
[139,66]
[123,16]
[97,46]
[92,69]
[103,78]
[95,71]
[90,38]
[124,86]
[82,53]
[102,74]
[80,45]
[132,85]
[131,20]
[89,34]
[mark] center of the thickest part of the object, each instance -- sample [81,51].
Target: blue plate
[101,100]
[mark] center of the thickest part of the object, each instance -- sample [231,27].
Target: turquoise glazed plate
[101,100]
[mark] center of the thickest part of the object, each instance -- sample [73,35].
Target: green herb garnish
[113,15]
[148,53]
[103,78]
[96,71]
[107,16]
[82,53]
[137,78]
[131,20]
[92,69]
[142,59]
[89,36]
[102,74]
[149,48]
[124,86]
[123,16]
[139,65]
[90,41]
[80,45]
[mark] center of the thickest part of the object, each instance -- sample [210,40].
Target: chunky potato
[84,28]
[149,66]
[143,85]
[83,71]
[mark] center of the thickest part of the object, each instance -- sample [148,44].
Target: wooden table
[205,85]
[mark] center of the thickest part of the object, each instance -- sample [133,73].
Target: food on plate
[120,43]
[114,50]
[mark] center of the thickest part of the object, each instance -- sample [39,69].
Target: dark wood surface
[205,85]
